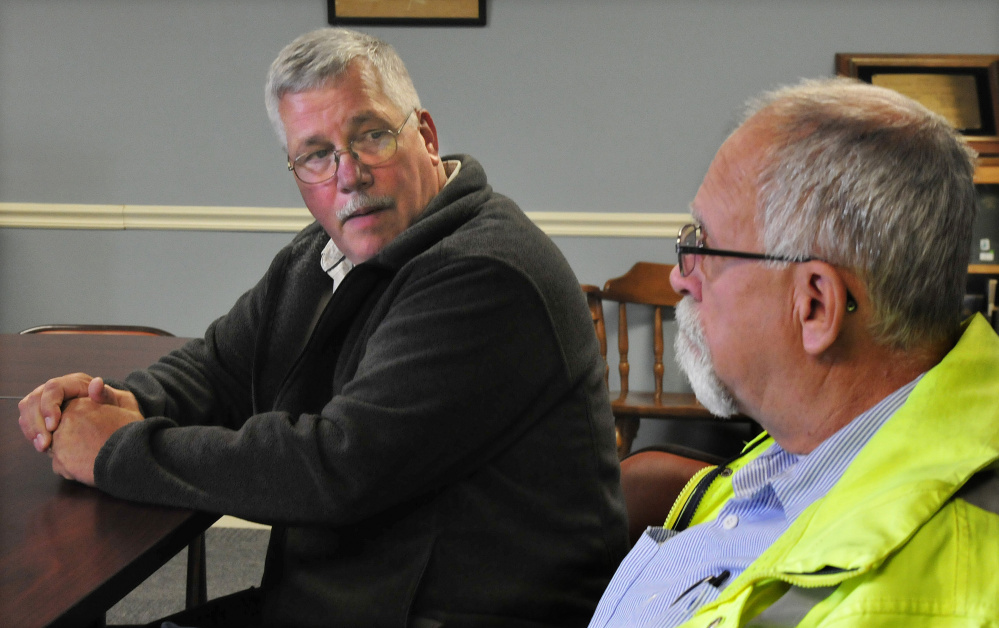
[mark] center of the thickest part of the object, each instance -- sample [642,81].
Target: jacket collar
[943,434]
[453,206]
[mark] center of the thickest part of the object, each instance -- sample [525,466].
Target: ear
[428,131]
[820,305]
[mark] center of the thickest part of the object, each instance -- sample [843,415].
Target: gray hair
[870,180]
[321,56]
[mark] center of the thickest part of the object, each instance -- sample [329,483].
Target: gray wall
[572,105]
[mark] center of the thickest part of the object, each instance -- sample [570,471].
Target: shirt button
[730,522]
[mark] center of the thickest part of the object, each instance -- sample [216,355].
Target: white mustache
[363,201]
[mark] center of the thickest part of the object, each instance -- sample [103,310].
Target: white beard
[694,359]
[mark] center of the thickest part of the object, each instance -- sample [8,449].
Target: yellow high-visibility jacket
[909,536]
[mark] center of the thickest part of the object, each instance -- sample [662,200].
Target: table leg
[197,576]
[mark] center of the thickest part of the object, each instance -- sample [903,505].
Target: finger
[32,423]
[42,441]
[124,399]
[41,410]
[55,392]
[40,438]
[99,393]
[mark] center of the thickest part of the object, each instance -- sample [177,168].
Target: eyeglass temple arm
[696,250]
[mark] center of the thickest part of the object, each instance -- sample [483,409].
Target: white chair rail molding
[292,219]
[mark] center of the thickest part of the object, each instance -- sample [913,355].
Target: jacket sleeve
[462,362]
[208,381]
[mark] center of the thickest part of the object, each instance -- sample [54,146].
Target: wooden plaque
[964,89]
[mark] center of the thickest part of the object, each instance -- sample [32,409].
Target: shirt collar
[799,480]
[334,263]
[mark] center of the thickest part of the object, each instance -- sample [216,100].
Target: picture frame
[406,12]
[962,88]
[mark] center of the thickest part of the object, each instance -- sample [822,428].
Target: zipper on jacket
[690,506]
[687,512]
[683,496]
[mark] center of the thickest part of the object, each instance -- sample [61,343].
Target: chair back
[645,284]
[651,480]
[595,303]
[118,330]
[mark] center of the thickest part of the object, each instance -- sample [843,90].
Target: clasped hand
[71,417]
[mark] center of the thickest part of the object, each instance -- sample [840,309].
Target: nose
[686,286]
[351,174]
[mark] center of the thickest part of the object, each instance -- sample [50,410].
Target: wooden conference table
[69,552]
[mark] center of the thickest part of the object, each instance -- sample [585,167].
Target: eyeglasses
[371,148]
[690,244]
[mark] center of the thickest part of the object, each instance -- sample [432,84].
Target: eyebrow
[705,232]
[315,140]
[359,119]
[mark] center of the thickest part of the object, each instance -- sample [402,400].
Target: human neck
[827,397]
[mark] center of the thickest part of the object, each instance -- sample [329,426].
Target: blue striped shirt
[663,583]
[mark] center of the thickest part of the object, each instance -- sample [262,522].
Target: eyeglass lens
[689,237]
[371,149]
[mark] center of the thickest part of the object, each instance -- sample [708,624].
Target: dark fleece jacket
[433,441]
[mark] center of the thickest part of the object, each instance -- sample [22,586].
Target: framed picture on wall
[407,12]
[964,89]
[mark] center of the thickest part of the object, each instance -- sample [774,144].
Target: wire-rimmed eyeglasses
[370,148]
[690,244]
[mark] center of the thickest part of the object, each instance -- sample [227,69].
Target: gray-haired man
[412,395]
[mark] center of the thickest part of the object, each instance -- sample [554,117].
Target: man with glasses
[823,282]
[412,396]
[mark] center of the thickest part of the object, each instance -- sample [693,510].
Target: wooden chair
[625,429]
[197,577]
[651,480]
[646,284]
[119,330]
